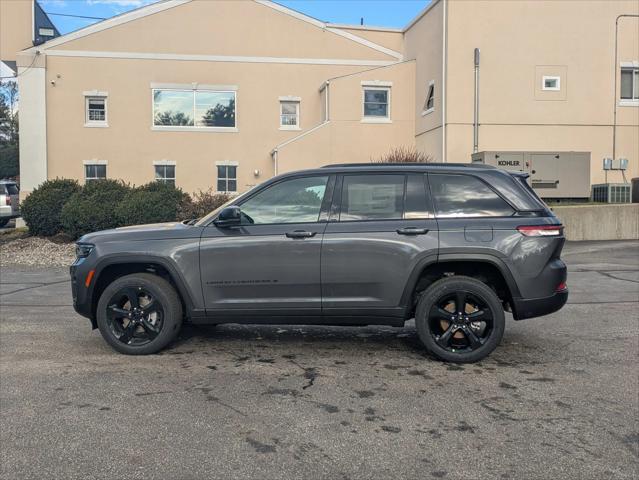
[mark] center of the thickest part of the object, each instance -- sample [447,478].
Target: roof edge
[419,16]
[365,27]
[109,23]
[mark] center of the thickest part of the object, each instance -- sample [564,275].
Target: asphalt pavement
[559,399]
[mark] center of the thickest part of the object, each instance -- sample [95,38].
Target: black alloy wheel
[460,319]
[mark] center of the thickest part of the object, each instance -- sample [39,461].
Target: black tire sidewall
[163,293]
[450,285]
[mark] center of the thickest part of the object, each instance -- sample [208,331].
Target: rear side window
[12,189]
[372,197]
[465,196]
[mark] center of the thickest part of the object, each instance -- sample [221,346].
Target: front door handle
[412,231]
[300,234]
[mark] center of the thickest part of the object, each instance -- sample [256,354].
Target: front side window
[465,196]
[193,108]
[630,83]
[297,200]
[227,178]
[95,111]
[165,174]
[289,114]
[372,197]
[376,102]
[429,105]
[94,172]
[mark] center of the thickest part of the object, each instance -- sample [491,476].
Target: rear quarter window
[465,196]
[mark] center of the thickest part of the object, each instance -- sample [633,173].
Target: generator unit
[553,175]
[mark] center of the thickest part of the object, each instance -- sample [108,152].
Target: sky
[381,13]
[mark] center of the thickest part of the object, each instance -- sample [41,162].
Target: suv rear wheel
[460,319]
[139,314]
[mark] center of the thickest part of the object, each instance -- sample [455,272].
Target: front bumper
[81,294]
[524,308]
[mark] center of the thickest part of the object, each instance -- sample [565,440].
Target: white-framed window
[376,103]
[289,113]
[165,172]
[629,84]
[429,103]
[94,171]
[95,105]
[194,109]
[226,177]
[551,83]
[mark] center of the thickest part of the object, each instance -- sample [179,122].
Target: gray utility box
[552,174]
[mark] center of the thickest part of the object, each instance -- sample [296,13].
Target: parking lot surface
[558,399]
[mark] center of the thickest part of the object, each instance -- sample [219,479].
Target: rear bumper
[524,308]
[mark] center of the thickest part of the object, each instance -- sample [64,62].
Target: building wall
[346,138]
[424,43]
[258,59]
[16,27]
[522,41]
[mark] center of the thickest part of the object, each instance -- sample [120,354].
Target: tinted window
[466,196]
[372,197]
[291,201]
[12,189]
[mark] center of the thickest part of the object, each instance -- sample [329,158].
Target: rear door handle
[300,234]
[412,231]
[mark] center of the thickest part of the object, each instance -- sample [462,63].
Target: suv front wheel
[460,319]
[139,314]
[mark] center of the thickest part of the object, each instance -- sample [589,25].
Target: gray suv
[451,245]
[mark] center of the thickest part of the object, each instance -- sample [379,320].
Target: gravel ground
[36,251]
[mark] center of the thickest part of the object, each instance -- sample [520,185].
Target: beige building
[225,94]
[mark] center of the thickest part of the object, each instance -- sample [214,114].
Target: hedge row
[64,206]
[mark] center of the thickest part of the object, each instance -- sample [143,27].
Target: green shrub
[154,202]
[93,208]
[41,209]
[201,204]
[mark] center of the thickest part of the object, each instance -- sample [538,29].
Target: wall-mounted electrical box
[553,175]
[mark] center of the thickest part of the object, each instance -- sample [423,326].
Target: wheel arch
[112,267]
[488,268]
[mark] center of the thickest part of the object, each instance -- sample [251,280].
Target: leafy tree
[220,115]
[173,118]
[9,140]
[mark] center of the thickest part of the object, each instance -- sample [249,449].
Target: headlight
[82,250]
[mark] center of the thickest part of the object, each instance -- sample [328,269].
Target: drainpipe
[476,110]
[616,66]
[274,156]
[444,75]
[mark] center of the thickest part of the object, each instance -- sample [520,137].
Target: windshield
[201,222]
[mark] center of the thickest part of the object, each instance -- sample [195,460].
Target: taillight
[540,230]
[7,200]
[561,287]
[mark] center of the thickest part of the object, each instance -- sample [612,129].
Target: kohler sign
[552,174]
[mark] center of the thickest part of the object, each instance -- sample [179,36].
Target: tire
[141,338]
[470,341]
[3,222]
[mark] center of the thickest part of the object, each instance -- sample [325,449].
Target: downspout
[444,56]
[476,110]
[614,121]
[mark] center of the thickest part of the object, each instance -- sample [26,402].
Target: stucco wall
[16,27]
[520,42]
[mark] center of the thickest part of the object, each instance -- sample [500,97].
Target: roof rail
[407,164]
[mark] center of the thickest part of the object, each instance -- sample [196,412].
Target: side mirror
[229,217]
